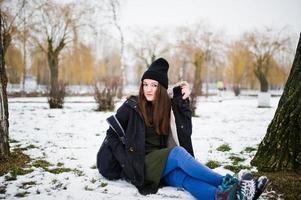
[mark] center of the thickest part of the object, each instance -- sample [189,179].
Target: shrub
[105,97]
[224,147]
[57,95]
[236,168]
[249,149]
[236,159]
[213,164]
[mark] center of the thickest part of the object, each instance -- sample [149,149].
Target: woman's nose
[149,88]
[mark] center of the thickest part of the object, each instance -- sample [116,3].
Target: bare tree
[55,28]
[114,7]
[149,45]
[238,65]
[200,45]
[21,37]
[24,36]
[24,41]
[7,29]
[264,46]
[14,64]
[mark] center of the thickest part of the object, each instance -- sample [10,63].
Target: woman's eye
[151,85]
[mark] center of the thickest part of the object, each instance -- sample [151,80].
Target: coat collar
[132,101]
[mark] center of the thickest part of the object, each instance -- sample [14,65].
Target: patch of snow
[73,135]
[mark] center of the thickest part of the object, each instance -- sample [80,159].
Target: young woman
[155,148]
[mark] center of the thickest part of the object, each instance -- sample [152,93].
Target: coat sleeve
[183,114]
[183,105]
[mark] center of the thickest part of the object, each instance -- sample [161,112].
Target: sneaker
[227,190]
[244,175]
[261,185]
[247,186]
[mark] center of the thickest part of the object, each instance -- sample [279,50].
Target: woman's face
[150,88]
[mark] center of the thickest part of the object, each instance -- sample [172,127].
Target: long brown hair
[156,113]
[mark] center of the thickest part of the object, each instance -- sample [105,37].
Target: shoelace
[247,190]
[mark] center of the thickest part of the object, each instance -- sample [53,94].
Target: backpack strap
[117,128]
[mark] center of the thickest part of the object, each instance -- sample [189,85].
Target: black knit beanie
[158,71]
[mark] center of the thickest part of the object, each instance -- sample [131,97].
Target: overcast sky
[232,16]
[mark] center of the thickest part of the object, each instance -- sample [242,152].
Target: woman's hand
[185,89]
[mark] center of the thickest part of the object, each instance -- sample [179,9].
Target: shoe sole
[263,189]
[265,185]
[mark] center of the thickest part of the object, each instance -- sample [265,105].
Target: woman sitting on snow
[149,144]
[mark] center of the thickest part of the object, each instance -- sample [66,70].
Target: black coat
[129,158]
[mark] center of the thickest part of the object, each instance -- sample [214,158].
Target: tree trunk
[53,66]
[55,99]
[236,89]
[4,142]
[264,85]
[197,80]
[57,89]
[197,83]
[280,150]
[24,65]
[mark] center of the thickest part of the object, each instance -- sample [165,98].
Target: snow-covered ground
[71,137]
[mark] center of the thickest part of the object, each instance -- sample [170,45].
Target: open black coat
[128,162]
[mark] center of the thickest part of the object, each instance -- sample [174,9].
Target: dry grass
[287,184]
[17,159]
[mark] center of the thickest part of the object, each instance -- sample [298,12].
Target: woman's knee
[180,154]
[178,150]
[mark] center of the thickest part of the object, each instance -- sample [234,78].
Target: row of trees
[263,56]
[255,59]
[48,41]
[46,27]
[46,38]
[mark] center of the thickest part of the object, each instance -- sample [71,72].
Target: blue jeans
[182,170]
